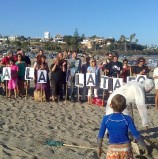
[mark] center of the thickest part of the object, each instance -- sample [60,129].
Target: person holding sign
[74,64]
[42,65]
[21,74]
[84,71]
[93,68]
[118,126]
[114,68]
[126,70]
[141,68]
[12,83]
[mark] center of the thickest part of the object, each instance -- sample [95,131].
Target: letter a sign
[90,79]
[6,73]
[41,76]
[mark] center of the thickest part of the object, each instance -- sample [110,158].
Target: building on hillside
[87,43]
[12,38]
[59,39]
[46,35]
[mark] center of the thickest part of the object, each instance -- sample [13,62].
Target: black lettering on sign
[90,80]
[6,74]
[141,78]
[110,85]
[28,74]
[117,84]
[42,77]
[77,81]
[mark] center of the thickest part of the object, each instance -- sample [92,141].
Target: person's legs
[156,99]
[14,84]
[9,88]
[53,89]
[84,92]
[20,86]
[73,90]
[95,92]
[90,96]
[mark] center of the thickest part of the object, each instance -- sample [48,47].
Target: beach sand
[25,125]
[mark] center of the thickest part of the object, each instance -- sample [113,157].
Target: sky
[104,18]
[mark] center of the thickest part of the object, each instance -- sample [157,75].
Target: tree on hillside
[75,40]
[132,36]
[123,41]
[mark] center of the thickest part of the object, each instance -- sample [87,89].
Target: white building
[12,38]
[46,35]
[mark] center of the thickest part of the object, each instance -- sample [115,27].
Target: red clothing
[5,60]
[125,73]
[14,71]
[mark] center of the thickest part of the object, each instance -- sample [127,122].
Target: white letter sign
[90,79]
[117,82]
[29,73]
[6,73]
[41,76]
[79,80]
[104,82]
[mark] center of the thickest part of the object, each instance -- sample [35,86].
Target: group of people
[17,62]
[61,73]
[61,83]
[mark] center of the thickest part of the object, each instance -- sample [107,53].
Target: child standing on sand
[118,126]
[12,84]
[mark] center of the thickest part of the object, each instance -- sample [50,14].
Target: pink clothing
[12,84]
[14,71]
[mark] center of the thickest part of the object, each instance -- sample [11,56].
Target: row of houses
[87,42]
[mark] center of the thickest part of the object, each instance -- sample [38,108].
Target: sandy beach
[25,125]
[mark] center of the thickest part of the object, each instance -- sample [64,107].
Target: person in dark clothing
[141,68]
[84,71]
[42,65]
[56,78]
[63,76]
[126,70]
[114,68]
[25,58]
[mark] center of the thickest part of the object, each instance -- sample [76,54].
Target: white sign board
[6,73]
[29,73]
[79,80]
[141,78]
[90,79]
[41,76]
[104,82]
[117,82]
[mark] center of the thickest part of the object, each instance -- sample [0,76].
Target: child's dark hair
[118,103]
[12,59]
